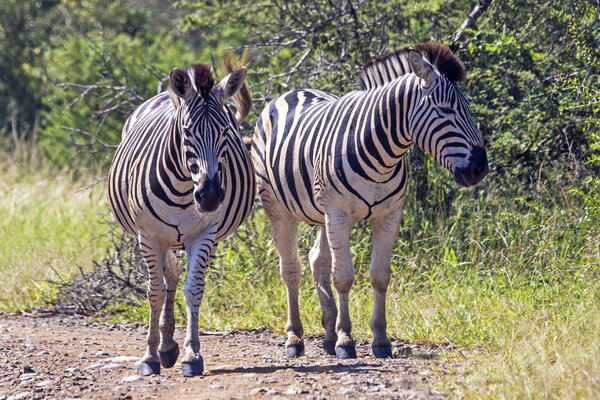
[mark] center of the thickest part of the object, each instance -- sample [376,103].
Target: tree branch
[481,6]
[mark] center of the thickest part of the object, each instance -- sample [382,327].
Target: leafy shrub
[99,81]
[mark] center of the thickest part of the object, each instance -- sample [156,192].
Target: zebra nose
[479,164]
[209,194]
[477,169]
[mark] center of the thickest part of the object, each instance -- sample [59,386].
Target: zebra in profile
[332,162]
[182,179]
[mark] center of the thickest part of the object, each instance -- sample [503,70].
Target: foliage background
[505,273]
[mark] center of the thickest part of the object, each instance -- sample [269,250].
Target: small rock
[28,376]
[43,352]
[19,396]
[27,369]
[292,391]
[124,359]
[225,366]
[97,365]
[249,375]
[132,378]
[44,383]
[258,390]
[345,390]
[101,353]
[217,386]
[113,366]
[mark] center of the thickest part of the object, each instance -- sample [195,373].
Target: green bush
[99,81]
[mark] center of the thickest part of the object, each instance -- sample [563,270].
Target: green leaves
[99,80]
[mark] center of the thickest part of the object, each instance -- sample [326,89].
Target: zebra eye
[447,110]
[194,169]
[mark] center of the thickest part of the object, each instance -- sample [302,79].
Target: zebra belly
[374,201]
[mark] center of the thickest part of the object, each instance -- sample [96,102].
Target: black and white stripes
[182,178]
[334,161]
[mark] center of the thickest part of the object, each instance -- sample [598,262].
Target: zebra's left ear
[421,66]
[232,83]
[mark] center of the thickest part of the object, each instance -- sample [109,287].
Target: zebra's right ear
[179,86]
[421,66]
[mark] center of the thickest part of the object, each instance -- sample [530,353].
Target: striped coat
[182,179]
[333,161]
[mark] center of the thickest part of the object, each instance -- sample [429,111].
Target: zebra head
[203,121]
[441,123]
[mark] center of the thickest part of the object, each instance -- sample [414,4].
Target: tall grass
[48,224]
[509,284]
[512,285]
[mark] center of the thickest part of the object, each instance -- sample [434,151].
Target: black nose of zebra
[209,194]
[477,169]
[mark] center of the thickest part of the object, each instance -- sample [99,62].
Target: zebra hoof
[382,351]
[329,347]
[295,350]
[150,368]
[345,352]
[169,358]
[190,369]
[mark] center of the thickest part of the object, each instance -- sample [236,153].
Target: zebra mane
[202,78]
[386,68]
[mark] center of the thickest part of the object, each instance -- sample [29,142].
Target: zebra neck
[388,138]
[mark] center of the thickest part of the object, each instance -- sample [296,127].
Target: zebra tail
[248,142]
[242,100]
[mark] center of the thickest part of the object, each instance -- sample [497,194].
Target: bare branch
[481,6]
[90,135]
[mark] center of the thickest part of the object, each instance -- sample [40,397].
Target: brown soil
[55,356]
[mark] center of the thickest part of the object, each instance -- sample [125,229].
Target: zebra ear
[232,83]
[421,66]
[179,85]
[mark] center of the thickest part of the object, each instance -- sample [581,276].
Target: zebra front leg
[385,230]
[155,262]
[168,350]
[338,226]
[283,227]
[320,264]
[201,252]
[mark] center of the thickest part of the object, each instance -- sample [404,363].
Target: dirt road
[53,356]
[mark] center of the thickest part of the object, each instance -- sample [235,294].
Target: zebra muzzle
[209,194]
[475,171]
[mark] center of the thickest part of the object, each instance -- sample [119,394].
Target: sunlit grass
[47,228]
[511,286]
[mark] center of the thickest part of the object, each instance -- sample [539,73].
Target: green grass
[510,285]
[49,221]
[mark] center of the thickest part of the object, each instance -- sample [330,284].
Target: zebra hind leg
[283,226]
[168,350]
[155,261]
[320,264]
[385,230]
